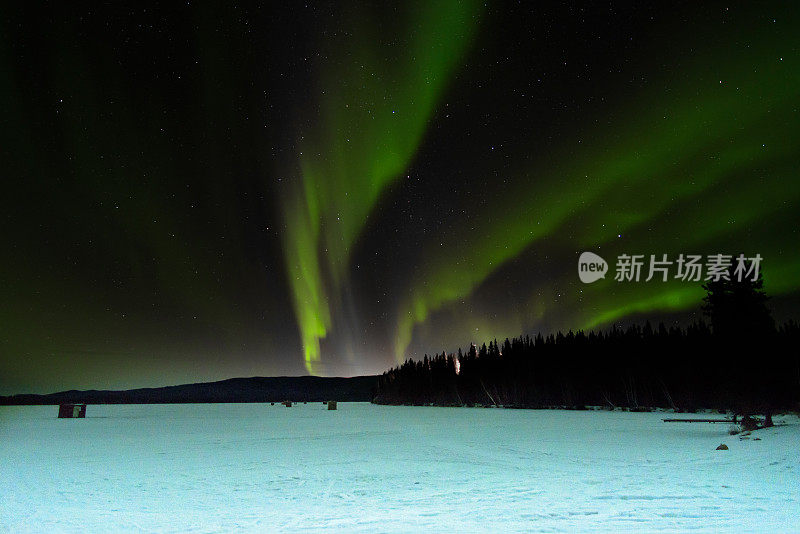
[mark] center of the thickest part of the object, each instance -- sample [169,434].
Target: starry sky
[194,192]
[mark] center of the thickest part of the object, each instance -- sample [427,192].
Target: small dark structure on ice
[69,411]
[331,405]
[287,403]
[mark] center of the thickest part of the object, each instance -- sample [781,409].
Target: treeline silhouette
[740,362]
[637,368]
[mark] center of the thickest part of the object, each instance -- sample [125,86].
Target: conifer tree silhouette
[737,307]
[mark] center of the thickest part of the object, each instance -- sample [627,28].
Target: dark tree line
[740,362]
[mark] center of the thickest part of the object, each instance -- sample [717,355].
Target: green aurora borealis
[662,176]
[373,114]
[196,193]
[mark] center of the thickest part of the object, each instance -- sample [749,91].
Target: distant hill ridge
[255,389]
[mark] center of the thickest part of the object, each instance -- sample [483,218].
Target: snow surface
[256,467]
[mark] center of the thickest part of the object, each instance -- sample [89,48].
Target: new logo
[591,267]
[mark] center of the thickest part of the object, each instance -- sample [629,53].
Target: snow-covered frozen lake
[256,467]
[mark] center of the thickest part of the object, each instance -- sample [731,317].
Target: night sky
[196,192]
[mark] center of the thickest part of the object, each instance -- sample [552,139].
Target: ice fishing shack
[69,411]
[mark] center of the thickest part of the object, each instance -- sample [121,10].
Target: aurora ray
[376,94]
